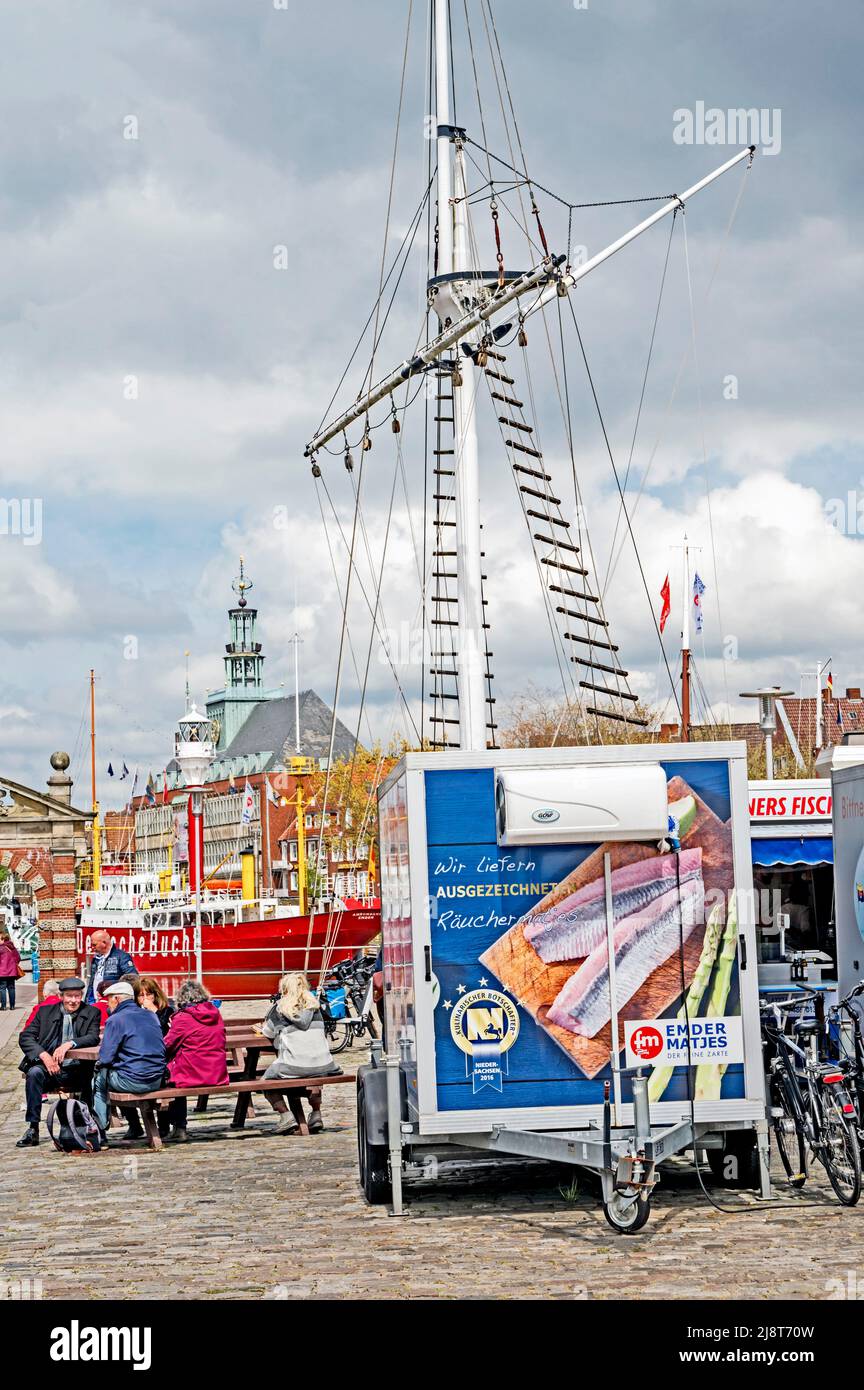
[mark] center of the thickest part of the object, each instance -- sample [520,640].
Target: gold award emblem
[484,1017]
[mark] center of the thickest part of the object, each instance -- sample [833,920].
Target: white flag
[271,795]
[248,813]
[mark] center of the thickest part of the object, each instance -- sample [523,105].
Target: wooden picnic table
[245,1040]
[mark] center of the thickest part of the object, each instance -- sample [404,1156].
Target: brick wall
[51,874]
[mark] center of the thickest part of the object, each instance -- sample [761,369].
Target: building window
[292,851]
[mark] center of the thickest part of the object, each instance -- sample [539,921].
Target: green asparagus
[709,1076]
[661,1076]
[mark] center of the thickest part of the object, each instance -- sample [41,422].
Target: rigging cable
[641,395]
[682,364]
[565,202]
[705,464]
[425,200]
[623,503]
[368,376]
[366,597]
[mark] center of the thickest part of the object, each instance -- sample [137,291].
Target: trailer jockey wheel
[372,1159]
[626,1216]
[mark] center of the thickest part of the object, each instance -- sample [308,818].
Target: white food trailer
[570,967]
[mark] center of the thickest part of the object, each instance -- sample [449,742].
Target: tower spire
[243,660]
[241,585]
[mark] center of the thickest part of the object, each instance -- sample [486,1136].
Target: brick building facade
[43,838]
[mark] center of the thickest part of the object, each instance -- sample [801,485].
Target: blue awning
[799,849]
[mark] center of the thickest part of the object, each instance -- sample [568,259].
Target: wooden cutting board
[535,984]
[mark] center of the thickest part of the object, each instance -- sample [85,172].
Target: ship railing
[280,959]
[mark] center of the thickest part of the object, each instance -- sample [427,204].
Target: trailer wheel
[626,1216]
[372,1160]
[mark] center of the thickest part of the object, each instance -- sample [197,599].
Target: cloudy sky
[164,362]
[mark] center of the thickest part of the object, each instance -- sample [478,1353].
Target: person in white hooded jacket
[296,1026]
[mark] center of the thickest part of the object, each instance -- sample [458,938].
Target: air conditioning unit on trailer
[581,804]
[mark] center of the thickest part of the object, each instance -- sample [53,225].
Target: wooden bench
[295,1092]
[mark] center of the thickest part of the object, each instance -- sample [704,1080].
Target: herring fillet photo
[571,929]
[642,943]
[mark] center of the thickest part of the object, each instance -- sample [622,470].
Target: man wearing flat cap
[49,1043]
[132,1052]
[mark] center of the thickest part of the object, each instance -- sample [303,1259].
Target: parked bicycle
[844,1019]
[346,1002]
[809,1108]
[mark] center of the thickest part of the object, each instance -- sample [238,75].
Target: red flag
[667,603]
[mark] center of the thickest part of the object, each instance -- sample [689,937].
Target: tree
[544,719]
[351,827]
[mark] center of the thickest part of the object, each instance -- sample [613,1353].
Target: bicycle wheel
[787,1136]
[339,1035]
[841,1156]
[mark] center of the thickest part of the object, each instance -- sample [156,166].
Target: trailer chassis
[625,1158]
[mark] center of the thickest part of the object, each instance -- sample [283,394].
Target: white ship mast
[465,299]
[454,256]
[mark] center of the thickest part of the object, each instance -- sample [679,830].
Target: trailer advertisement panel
[848,814]
[520,958]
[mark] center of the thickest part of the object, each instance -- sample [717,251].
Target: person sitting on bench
[195,1047]
[131,1054]
[49,1041]
[295,1024]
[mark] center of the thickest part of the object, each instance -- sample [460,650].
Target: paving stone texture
[260,1216]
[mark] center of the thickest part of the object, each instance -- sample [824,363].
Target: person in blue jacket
[107,965]
[132,1051]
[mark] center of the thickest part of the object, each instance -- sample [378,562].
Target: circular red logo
[646,1043]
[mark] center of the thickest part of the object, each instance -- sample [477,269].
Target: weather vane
[241,585]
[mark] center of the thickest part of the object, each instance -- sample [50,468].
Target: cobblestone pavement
[256,1215]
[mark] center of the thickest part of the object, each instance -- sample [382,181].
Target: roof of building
[270,728]
[842,715]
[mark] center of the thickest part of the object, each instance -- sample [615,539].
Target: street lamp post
[767,695]
[194,751]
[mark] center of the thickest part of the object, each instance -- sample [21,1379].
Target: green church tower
[244,668]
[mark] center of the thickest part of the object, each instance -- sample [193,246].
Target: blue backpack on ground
[78,1132]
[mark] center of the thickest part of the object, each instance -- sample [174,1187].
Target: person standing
[10,959]
[131,1054]
[108,964]
[49,1043]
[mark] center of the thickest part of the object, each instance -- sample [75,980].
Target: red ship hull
[245,960]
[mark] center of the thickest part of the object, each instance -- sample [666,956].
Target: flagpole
[685,649]
[267,834]
[297,639]
[96,833]
[818,710]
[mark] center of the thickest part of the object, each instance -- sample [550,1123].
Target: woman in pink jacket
[9,961]
[195,1048]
